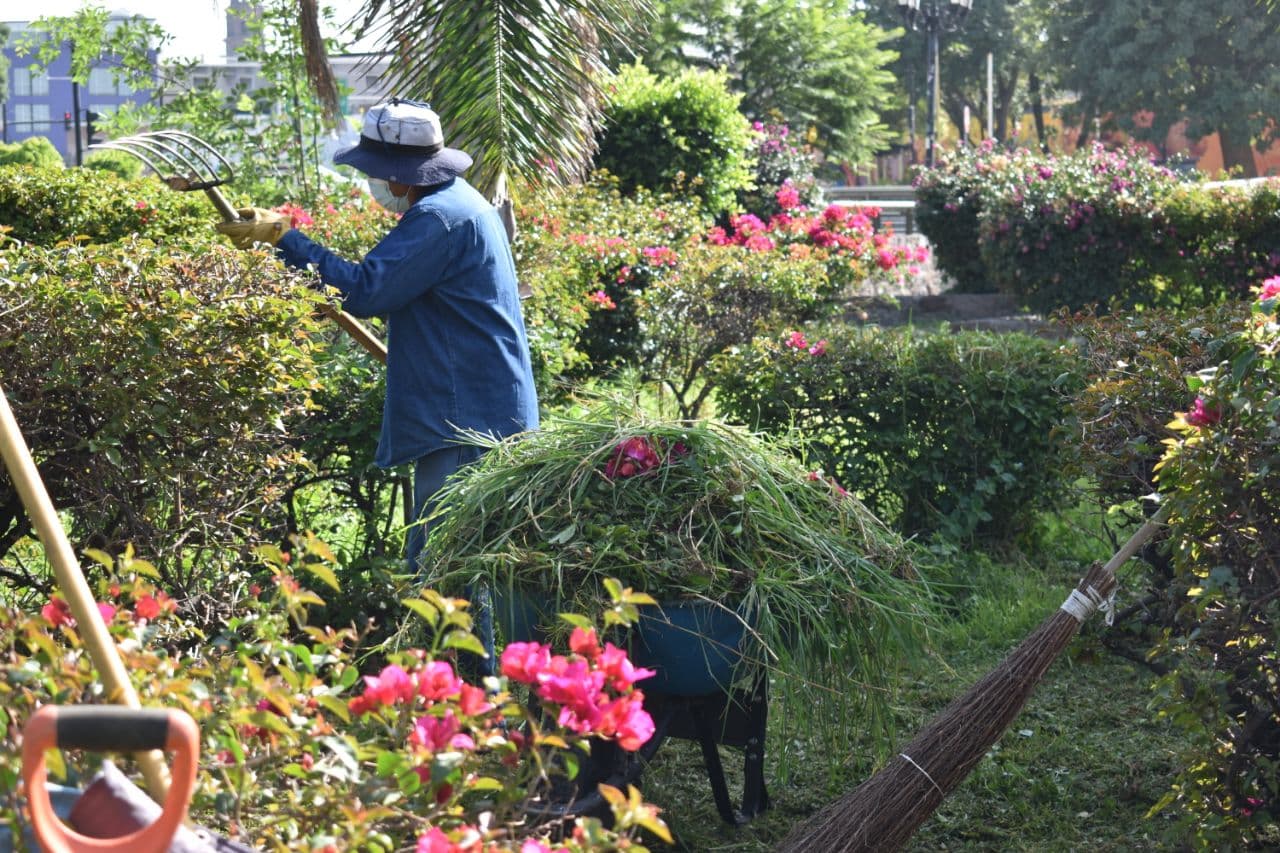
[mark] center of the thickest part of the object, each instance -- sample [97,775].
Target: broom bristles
[884,812]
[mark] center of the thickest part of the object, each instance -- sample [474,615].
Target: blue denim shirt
[457,354]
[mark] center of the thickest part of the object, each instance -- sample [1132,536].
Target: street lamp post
[933,16]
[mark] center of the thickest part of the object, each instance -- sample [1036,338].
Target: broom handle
[353,327]
[1138,539]
[102,649]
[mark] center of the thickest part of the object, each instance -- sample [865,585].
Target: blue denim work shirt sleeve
[457,352]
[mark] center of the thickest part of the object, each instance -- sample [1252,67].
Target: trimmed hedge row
[936,433]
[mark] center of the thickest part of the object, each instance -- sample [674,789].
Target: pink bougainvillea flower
[523,662]
[796,340]
[619,670]
[108,611]
[391,685]
[886,258]
[1202,415]
[437,733]
[626,721]
[661,255]
[820,348]
[835,214]
[717,236]
[58,612]
[298,215]
[583,642]
[603,299]
[435,841]
[787,196]
[473,701]
[437,681]
[633,456]
[1270,288]
[759,243]
[747,224]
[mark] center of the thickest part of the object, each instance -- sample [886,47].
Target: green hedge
[152,382]
[954,432]
[683,131]
[46,205]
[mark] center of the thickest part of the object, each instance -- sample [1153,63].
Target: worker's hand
[255,225]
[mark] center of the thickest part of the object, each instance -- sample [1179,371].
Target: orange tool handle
[103,728]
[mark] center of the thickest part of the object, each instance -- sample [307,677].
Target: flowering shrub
[302,752]
[943,432]
[661,290]
[1094,227]
[688,512]
[783,175]
[1220,479]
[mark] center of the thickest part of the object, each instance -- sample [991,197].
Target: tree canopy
[814,65]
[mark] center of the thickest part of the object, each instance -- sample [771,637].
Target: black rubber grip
[108,728]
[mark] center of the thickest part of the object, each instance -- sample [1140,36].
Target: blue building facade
[45,102]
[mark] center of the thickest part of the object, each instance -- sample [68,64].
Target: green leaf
[325,574]
[426,611]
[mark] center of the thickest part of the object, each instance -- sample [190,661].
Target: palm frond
[319,72]
[515,81]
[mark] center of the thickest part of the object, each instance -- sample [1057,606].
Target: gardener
[457,358]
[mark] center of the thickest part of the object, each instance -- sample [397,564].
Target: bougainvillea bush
[306,746]
[1095,226]
[1220,477]
[784,163]
[692,512]
[664,291]
[1074,230]
[952,432]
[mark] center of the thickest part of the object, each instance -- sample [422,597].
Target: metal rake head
[182,160]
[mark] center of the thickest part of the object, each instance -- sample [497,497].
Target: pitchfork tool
[187,163]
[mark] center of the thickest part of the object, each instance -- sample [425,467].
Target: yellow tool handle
[102,649]
[353,327]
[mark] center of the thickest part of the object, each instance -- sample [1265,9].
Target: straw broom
[884,812]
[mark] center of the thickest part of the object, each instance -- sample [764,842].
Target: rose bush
[301,751]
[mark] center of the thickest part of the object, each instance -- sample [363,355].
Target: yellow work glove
[255,225]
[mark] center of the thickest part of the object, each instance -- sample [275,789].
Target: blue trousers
[429,475]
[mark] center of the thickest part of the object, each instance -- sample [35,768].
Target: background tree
[816,66]
[1213,64]
[1013,32]
[516,82]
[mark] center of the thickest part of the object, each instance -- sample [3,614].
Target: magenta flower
[820,348]
[787,196]
[886,258]
[626,721]
[437,733]
[661,255]
[391,685]
[797,341]
[437,681]
[632,456]
[1202,415]
[759,243]
[619,672]
[1270,289]
[523,662]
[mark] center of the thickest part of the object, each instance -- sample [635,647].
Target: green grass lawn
[1079,769]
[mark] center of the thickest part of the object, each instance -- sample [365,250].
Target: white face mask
[382,195]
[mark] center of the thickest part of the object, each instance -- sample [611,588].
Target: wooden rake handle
[93,630]
[359,331]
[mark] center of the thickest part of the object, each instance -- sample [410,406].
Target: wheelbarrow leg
[755,798]
[711,758]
